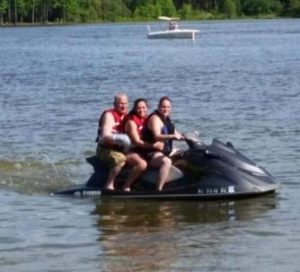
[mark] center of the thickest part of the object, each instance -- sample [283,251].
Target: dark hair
[163,99]
[136,102]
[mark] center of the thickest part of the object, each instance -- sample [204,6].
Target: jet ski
[201,172]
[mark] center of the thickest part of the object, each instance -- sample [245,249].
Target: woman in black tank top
[159,128]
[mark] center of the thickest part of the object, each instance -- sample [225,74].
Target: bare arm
[156,125]
[132,131]
[107,128]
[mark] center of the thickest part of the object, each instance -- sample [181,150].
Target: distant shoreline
[49,24]
[37,24]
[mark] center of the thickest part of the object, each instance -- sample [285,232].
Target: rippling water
[239,81]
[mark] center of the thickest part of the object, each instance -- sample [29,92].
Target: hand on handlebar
[178,136]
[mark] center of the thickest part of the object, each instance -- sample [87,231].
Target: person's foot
[126,189]
[110,188]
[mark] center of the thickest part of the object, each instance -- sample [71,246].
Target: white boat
[173,31]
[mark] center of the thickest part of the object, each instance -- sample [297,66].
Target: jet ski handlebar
[193,142]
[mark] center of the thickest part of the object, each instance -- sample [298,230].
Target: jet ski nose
[193,142]
[254,170]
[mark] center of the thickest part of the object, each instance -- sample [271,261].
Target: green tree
[22,9]
[186,11]
[72,10]
[147,11]
[3,10]
[95,10]
[114,10]
[32,8]
[257,7]
[229,8]
[167,7]
[291,8]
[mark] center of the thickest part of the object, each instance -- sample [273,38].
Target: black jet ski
[202,172]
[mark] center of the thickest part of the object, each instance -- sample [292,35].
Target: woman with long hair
[134,126]
[160,129]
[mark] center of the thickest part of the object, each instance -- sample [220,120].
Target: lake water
[239,82]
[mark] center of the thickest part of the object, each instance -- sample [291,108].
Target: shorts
[145,153]
[110,157]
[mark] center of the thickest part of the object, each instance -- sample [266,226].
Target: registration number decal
[88,193]
[217,190]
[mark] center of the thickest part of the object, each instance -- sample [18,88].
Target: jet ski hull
[94,192]
[213,172]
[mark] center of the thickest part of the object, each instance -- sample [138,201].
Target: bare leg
[112,176]
[139,165]
[164,164]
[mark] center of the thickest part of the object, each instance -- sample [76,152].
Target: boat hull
[173,34]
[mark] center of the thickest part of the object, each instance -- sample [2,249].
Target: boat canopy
[165,18]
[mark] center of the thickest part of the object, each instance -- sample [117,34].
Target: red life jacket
[119,124]
[139,121]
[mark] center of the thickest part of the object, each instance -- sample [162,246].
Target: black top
[167,129]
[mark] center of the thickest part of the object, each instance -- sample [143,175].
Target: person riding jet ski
[159,127]
[112,142]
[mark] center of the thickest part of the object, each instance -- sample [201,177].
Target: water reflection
[148,235]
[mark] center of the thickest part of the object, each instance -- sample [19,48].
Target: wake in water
[37,175]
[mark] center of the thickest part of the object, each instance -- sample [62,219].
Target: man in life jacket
[113,143]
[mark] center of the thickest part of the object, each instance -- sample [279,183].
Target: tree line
[81,11]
